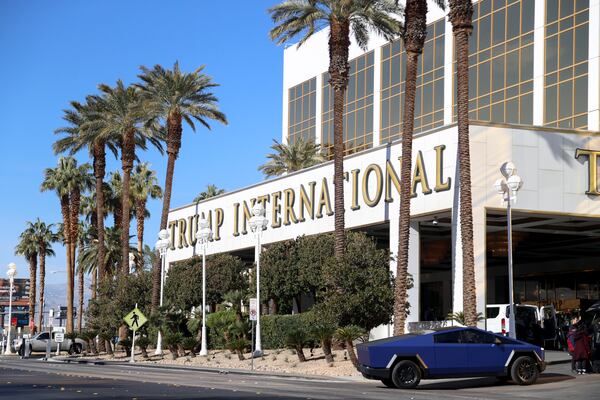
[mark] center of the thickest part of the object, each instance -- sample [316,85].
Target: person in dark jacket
[581,355]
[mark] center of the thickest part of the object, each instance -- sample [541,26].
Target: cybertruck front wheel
[524,371]
[406,375]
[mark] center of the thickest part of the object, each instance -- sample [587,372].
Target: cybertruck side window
[477,337]
[43,336]
[447,337]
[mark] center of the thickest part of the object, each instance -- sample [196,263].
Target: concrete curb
[205,369]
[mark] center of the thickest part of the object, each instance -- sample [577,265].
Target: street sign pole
[133,343]
[252,354]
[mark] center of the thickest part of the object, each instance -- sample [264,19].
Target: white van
[536,325]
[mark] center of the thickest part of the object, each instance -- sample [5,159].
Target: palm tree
[460,16]
[413,36]
[27,247]
[211,191]
[85,236]
[144,186]
[121,114]
[113,196]
[173,96]
[68,180]
[45,236]
[81,132]
[291,157]
[87,260]
[303,18]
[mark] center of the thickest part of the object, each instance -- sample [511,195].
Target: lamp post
[258,223]
[12,272]
[162,245]
[203,235]
[507,187]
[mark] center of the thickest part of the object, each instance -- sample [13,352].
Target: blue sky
[52,52]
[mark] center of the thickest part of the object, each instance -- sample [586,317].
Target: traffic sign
[135,319]
[253,309]
[59,337]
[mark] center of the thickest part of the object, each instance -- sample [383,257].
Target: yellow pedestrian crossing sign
[135,319]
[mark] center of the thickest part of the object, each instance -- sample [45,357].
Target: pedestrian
[581,353]
[571,342]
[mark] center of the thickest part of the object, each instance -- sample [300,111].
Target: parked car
[534,325]
[402,361]
[38,343]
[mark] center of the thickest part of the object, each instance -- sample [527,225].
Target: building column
[318,108]
[479,234]
[538,62]
[594,67]
[376,96]
[414,269]
[448,73]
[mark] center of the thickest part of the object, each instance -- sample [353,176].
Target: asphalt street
[36,379]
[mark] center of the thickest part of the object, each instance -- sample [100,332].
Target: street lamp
[203,235]
[507,187]
[12,272]
[258,223]
[161,245]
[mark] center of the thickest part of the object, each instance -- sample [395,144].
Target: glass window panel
[550,103]
[484,78]
[551,79]
[581,43]
[370,58]
[485,7]
[528,10]
[394,107]
[427,98]
[526,109]
[565,49]
[484,114]
[565,74]
[526,63]
[512,68]
[351,127]
[498,23]
[565,99]
[360,85]
[565,24]
[581,18]
[551,10]
[473,38]
[566,8]
[551,54]
[385,74]
[582,4]
[497,73]
[428,56]
[360,63]
[581,95]
[498,113]
[360,122]
[370,81]
[438,88]
[484,32]
[418,102]
[395,70]
[580,122]
[552,29]
[512,111]
[581,69]
[513,15]
[439,52]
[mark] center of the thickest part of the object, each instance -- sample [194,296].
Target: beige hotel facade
[534,100]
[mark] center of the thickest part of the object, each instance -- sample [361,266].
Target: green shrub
[218,324]
[275,328]
[143,342]
[190,344]
[172,340]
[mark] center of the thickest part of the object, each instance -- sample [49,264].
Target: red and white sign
[253,309]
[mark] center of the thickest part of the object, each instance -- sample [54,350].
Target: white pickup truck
[38,343]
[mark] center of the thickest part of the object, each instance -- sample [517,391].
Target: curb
[205,369]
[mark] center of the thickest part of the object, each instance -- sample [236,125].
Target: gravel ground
[281,360]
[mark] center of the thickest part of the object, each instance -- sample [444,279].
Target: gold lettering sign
[592,156]
[295,205]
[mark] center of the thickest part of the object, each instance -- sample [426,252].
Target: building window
[302,111]
[429,96]
[358,111]
[501,62]
[566,66]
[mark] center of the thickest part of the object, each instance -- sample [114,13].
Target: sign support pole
[252,354]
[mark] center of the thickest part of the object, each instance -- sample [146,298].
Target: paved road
[36,379]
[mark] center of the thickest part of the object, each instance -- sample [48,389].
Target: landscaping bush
[143,342]
[276,328]
[190,343]
[218,324]
[296,339]
[172,340]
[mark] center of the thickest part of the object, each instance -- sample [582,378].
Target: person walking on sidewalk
[581,353]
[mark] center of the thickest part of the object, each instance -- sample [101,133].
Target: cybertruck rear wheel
[406,375]
[524,371]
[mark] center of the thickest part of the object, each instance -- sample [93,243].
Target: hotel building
[534,76]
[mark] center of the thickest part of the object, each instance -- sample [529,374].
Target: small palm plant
[323,332]
[296,339]
[347,335]
[238,346]
[190,344]
[143,342]
[459,317]
[238,342]
[172,340]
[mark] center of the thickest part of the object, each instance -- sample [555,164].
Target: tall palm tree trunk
[64,204]
[174,131]
[80,289]
[32,289]
[99,172]
[42,286]
[94,285]
[140,207]
[461,12]
[127,158]
[339,44]
[74,227]
[415,31]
